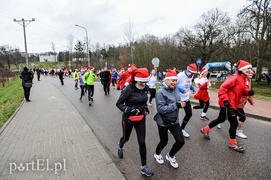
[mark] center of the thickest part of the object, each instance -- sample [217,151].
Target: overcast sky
[103,19]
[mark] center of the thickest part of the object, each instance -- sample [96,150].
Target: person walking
[89,79]
[229,95]
[202,94]
[105,76]
[75,78]
[152,86]
[38,70]
[133,103]
[168,102]
[81,83]
[184,85]
[61,77]
[27,77]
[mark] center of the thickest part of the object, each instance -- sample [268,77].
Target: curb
[11,117]
[256,116]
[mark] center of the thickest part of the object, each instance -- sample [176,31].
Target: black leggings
[106,86]
[188,114]
[140,128]
[90,89]
[241,114]
[176,131]
[82,91]
[223,113]
[152,93]
[203,105]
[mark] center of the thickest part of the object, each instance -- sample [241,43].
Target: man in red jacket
[229,95]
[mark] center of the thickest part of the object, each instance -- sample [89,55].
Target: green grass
[11,97]
[262,90]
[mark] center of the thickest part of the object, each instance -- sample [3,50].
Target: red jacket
[233,89]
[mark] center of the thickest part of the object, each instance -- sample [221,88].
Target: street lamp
[87,41]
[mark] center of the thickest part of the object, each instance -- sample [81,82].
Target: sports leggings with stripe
[140,128]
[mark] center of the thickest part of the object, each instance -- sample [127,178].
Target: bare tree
[70,39]
[54,50]
[129,36]
[256,22]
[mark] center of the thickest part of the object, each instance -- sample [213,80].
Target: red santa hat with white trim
[203,70]
[131,67]
[192,68]
[242,64]
[171,74]
[141,74]
[91,68]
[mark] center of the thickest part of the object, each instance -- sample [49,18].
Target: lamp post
[87,41]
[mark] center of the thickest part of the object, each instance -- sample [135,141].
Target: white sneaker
[240,134]
[172,161]
[159,158]
[185,134]
[219,126]
[150,104]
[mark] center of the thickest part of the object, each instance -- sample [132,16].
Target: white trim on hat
[205,70]
[194,72]
[244,67]
[171,77]
[141,79]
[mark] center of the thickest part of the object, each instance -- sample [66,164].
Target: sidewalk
[48,139]
[259,111]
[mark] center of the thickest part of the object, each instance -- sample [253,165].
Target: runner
[229,94]
[202,94]
[89,78]
[81,83]
[168,102]
[75,77]
[133,103]
[152,86]
[184,85]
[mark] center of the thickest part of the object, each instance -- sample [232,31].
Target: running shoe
[204,118]
[185,134]
[172,161]
[237,148]
[219,126]
[240,134]
[120,152]
[145,170]
[159,158]
[205,134]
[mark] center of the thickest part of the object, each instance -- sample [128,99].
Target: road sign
[198,61]
[155,61]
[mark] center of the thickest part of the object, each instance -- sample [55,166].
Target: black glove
[227,104]
[133,112]
[118,88]
[147,110]
[93,76]
[251,92]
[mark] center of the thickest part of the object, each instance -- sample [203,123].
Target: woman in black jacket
[133,103]
[27,77]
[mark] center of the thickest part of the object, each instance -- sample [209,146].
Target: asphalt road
[198,159]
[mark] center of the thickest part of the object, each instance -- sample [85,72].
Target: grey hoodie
[167,104]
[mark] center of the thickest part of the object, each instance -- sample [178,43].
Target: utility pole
[25,45]
[87,41]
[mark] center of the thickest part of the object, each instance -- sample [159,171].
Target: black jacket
[27,77]
[132,97]
[105,76]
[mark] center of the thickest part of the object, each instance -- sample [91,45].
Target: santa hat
[171,74]
[131,67]
[141,75]
[192,68]
[91,68]
[241,64]
[203,70]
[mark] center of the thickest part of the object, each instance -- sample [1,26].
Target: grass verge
[11,97]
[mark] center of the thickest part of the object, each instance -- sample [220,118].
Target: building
[48,57]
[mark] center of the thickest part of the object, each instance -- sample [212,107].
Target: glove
[118,88]
[93,76]
[227,104]
[147,110]
[133,112]
[251,92]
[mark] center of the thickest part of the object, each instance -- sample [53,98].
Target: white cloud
[104,19]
